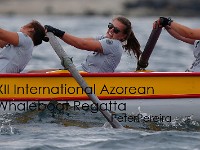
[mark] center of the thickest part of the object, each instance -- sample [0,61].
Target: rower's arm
[82,43]
[177,36]
[185,31]
[9,37]
[2,43]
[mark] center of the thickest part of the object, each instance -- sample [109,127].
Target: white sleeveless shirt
[13,59]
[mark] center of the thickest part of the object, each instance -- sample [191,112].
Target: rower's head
[117,28]
[36,31]
[121,29]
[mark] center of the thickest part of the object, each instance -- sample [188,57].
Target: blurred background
[89,18]
[101,7]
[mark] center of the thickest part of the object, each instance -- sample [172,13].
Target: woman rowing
[106,50]
[185,34]
[17,47]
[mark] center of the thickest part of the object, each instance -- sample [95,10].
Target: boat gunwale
[85,98]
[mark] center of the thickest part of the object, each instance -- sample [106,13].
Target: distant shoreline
[100,7]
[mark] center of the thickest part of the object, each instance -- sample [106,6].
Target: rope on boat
[68,64]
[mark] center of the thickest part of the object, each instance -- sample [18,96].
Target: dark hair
[39,33]
[132,44]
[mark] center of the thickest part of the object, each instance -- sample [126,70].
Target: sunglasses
[115,30]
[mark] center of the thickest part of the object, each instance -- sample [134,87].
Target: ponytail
[132,44]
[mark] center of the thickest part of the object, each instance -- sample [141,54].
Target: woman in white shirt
[17,47]
[185,34]
[106,50]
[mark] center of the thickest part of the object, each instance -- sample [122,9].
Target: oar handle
[68,64]
[143,61]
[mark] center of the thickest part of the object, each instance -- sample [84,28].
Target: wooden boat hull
[131,85]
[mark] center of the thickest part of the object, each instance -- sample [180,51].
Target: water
[50,131]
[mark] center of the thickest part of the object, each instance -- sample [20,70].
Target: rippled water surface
[84,130]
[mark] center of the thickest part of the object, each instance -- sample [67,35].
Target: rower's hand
[163,21]
[156,24]
[55,31]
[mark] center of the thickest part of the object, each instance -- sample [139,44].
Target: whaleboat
[173,94]
[155,96]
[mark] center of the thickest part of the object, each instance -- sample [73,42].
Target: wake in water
[165,124]
[6,127]
[88,119]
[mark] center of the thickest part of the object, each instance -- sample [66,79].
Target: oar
[143,61]
[68,64]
